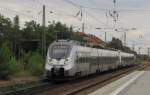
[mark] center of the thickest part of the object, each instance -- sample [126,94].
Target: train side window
[110,60]
[103,59]
[77,59]
[106,59]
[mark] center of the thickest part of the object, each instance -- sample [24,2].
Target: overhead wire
[60,13]
[16,12]
[96,19]
[24,14]
[104,9]
[89,14]
[80,6]
[72,3]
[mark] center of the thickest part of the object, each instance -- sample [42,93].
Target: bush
[9,66]
[30,63]
[4,72]
[35,64]
[5,56]
[14,67]
[25,60]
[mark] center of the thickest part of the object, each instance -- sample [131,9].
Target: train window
[88,59]
[81,60]
[106,61]
[111,59]
[59,51]
[102,59]
[85,60]
[77,59]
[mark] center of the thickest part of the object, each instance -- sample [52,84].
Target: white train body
[65,60]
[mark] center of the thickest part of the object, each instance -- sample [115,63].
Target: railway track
[22,88]
[106,80]
[68,88]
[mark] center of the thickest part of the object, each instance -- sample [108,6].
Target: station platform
[136,83]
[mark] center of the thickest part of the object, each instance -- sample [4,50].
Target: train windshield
[59,51]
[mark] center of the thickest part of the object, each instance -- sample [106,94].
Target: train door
[120,58]
[98,61]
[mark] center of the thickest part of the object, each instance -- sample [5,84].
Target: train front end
[58,63]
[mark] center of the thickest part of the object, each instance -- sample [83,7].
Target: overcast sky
[132,14]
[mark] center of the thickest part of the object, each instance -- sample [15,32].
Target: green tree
[63,32]
[115,43]
[31,36]
[32,30]
[16,23]
[5,28]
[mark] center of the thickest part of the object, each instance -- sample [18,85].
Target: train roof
[106,52]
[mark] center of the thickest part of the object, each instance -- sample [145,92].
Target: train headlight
[66,61]
[50,60]
[50,63]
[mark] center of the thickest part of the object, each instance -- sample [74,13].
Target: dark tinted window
[59,51]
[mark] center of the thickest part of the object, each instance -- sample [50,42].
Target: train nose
[57,72]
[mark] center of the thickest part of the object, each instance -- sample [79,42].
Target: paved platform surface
[136,83]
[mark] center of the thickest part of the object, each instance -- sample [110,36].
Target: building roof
[91,40]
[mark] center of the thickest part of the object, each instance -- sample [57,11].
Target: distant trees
[117,44]
[62,31]
[5,28]
[29,37]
